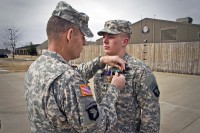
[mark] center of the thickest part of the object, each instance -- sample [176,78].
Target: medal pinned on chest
[109,77]
[111,72]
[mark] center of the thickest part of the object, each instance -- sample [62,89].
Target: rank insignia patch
[85,90]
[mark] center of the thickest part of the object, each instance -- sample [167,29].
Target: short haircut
[56,26]
[126,35]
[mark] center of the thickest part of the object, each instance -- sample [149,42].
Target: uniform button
[104,88]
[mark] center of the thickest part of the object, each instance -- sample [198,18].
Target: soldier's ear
[69,34]
[125,42]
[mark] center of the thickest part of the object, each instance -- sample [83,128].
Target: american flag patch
[85,90]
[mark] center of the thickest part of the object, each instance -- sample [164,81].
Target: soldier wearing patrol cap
[137,106]
[58,97]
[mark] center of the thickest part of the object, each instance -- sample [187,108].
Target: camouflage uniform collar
[125,57]
[55,55]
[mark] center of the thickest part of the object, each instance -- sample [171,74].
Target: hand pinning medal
[111,72]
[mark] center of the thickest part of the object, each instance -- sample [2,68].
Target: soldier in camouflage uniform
[58,97]
[137,107]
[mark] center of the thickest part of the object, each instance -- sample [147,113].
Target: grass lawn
[19,64]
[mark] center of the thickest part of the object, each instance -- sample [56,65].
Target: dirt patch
[15,66]
[21,63]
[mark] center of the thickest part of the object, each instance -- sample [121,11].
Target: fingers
[118,80]
[119,63]
[115,61]
[116,74]
[122,77]
[120,66]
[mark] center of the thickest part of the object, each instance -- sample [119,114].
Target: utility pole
[154,47]
[11,41]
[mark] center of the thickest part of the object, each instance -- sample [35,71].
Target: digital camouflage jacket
[59,99]
[137,106]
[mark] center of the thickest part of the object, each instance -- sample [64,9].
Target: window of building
[198,34]
[169,34]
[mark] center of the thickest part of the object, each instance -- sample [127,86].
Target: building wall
[99,41]
[41,47]
[21,51]
[24,50]
[185,32]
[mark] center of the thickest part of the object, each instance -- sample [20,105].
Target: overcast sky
[31,16]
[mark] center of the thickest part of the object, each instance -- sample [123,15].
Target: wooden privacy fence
[179,57]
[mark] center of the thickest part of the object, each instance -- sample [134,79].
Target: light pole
[154,56]
[10,34]
[11,42]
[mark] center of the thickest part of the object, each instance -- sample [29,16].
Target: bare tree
[11,36]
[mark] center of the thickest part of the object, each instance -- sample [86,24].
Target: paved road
[180,106]
[3,70]
[13,113]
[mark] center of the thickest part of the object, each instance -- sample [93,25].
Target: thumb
[116,74]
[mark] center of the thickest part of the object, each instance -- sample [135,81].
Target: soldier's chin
[108,53]
[75,57]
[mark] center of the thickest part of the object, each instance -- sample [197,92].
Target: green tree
[32,50]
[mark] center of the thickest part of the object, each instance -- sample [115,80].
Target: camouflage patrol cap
[65,11]
[116,27]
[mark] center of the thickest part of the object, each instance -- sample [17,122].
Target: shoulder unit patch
[85,90]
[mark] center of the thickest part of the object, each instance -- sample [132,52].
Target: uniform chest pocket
[100,79]
[126,100]
[129,88]
[100,86]
[97,78]
[129,79]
